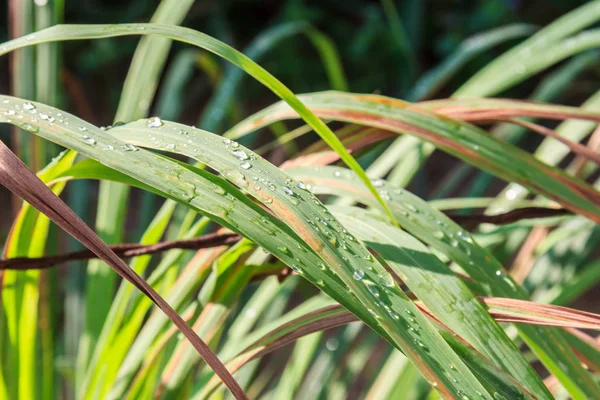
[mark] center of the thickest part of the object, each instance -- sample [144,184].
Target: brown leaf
[25,184]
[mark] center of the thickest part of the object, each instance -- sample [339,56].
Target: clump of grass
[376,288]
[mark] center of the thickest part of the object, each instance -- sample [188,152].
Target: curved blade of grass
[484,109]
[264,181]
[446,296]
[550,152]
[551,86]
[282,334]
[433,79]
[100,371]
[78,32]
[230,208]
[15,175]
[547,47]
[458,138]
[424,222]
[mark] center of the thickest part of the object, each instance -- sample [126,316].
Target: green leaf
[78,32]
[225,204]
[458,138]
[423,221]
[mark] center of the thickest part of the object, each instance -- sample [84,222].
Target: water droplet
[462,396]
[170,146]
[386,279]
[373,290]
[301,186]
[378,182]
[28,106]
[283,249]
[246,165]
[438,235]
[240,155]
[419,343]
[154,122]
[332,344]
[359,274]
[227,141]
[129,147]
[89,140]
[296,269]
[322,267]
[288,191]
[411,207]
[235,145]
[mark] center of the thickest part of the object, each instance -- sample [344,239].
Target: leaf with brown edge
[483,109]
[24,183]
[453,136]
[333,316]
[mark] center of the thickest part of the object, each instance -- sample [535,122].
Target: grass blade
[15,175]
[75,32]
[418,218]
[457,138]
[178,181]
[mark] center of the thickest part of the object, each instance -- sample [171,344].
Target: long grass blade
[15,175]
[453,136]
[78,32]
[180,182]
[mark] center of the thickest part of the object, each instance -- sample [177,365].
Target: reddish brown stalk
[25,184]
[122,250]
[575,147]
[509,217]
[219,239]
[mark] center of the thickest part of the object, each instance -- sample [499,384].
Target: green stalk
[138,92]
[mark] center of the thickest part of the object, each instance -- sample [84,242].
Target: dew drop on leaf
[386,279]
[240,155]
[89,140]
[154,122]
[359,274]
[129,147]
